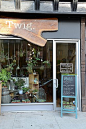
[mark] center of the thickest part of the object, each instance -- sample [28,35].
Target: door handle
[56,83]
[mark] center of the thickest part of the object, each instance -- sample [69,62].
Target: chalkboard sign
[69,90]
[69,85]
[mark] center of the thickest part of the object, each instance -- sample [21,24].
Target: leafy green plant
[25,89]
[32,63]
[4,76]
[35,90]
[19,83]
[10,67]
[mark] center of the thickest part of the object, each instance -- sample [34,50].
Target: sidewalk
[42,120]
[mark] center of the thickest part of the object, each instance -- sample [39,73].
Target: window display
[26,72]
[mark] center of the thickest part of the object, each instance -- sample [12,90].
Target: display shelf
[34,81]
[68,96]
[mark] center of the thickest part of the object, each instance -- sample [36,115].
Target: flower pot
[20,91]
[5,95]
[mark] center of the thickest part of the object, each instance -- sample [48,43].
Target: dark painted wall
[69,29]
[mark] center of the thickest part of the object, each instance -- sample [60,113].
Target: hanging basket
[2,60]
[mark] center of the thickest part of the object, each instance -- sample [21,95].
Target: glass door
[65,60]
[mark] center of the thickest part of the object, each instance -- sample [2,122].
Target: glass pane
[26,71]
[65,53]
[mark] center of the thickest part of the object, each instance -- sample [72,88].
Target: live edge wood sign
[29,29]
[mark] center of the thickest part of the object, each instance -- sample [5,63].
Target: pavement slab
[42,120]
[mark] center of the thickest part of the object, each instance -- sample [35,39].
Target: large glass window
[26,72]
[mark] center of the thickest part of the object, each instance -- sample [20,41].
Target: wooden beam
[55,4]
[83,64]
[74,5]
[17,4]
[37,4]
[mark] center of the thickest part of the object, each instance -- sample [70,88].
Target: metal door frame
[77,42]
[52,105]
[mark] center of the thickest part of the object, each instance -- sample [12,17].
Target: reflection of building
[43,31]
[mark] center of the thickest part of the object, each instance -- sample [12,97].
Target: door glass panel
[65,53]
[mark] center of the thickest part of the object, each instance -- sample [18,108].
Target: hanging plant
[14,57]
[10,67]
[42,67]
[31,64]
[47,63]
[21,53]
[2,56]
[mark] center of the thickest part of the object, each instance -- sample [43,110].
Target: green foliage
[10,67]
[4,76]
[19,83]
[2,56]
[21,53]
[35,90]
[31,64]
[47,63]
[25,89]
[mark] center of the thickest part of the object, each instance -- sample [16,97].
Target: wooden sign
[66,67]
[29,29]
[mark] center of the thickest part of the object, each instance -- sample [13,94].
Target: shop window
[26,71]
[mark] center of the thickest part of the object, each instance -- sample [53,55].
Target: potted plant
[4,77]
[25,89]
[35,91]
[20,84]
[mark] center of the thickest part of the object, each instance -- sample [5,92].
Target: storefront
[35,63]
